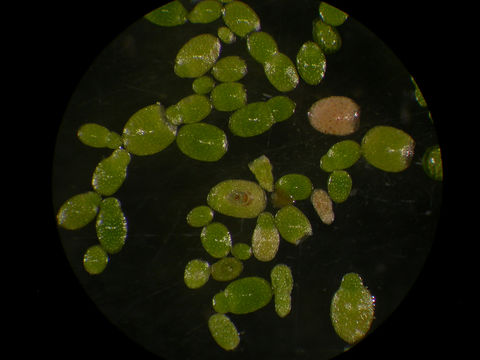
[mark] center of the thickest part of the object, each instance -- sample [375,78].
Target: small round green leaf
[226,269]
[95,260]
[203,85]
[229,69]
[226,35]
[240,18]
[191,109]
[220,303]
[228,96]
[242,251]
[200,216]
[339,185]
[216,240]
[327,37]
[341,155]
[223,331]
[282,107]
[297,186]
[196,274]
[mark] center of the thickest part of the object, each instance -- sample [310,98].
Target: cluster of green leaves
[217,85]
[384,147]
[81,209]
[217,79]
[248,199]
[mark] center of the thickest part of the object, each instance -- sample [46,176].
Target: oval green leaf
[311,63]
[282,285]
[282,107]
[248,294]
[229,69]
[79,210]
[388,148]
[228,96]
[281,72]
[251,120]
[226,35]
[170,14]
[297,186]
[147,132]
[240,18]
[196,274]
[216,240]
[327,37]
[237,198]
[111,225]
[111,172]
[95,260]
[197,56]
[227,269]
[341,155]
[331,15]
[292,224]
[265,238]
[98,136]
[204,12]
[220,303]
[223,331]
[203,85]
[194,108]
[339,185]
[200,216]
[242,251]
[261,46]
[204,142]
